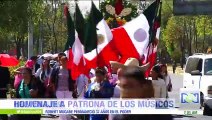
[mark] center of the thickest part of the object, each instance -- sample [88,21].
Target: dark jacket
[208,108]
[55,77]
[32,85]
[4,77]
[37,66]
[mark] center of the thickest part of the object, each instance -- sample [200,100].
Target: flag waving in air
[151,51]
[132,39]
[98,41]
[71,36]
[74,46]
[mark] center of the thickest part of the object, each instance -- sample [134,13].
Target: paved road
[177,81]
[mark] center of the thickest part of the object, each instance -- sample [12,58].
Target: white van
[198,74]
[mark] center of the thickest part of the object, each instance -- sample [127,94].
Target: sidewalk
[177,71]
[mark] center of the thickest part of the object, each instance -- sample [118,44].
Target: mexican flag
[132,39]
[74,45]
[151,51]
[71,36]
[98,41]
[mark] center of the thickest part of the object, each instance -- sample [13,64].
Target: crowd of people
[42,77]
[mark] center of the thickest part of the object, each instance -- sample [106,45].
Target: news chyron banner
[97,106]
[85,106]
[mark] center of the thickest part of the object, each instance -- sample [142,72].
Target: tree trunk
[190,37]
[54,11]
[186,35]
[18,43]
[203,42]
[40,38]
[18,47]
[196,48]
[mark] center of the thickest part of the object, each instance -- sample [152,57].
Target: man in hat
[117,68]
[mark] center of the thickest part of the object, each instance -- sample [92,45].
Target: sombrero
[129,62]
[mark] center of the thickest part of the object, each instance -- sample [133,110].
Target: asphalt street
[177,82]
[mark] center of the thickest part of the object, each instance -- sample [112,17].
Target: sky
[84,5]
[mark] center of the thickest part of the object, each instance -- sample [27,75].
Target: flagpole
[97,60]
[99,6]
[158,4]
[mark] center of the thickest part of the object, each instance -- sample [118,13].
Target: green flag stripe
[71,32]
[151,13]
[90,33]
[79,24]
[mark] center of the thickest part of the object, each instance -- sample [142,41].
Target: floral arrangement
[118,12]
[119,21]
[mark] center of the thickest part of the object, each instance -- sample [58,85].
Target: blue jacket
[105,92]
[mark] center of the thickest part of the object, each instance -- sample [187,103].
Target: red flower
[66,10]
[118,6]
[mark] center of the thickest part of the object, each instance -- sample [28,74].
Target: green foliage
[12,69]
[14,21]
[48,24]
[126,4]
[204,24]
[176,55]
[167,8]
[172,35]
[192,32]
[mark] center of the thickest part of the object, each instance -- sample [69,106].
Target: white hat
[129,62]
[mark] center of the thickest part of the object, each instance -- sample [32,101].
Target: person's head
[164,69]
[63,60]
[100,74]
[133,83]
[27,73]
[156,72]
[114,70]
[46,63]
[34,58]
[29,64]
[60,55]
[52,63]
[209,51]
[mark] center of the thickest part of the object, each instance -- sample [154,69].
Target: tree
[14,21]
[172,36]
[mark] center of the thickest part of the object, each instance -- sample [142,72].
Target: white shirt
[167,79]
[93,79]
[116,93]
[82,82]
[159,88]
[39,71]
